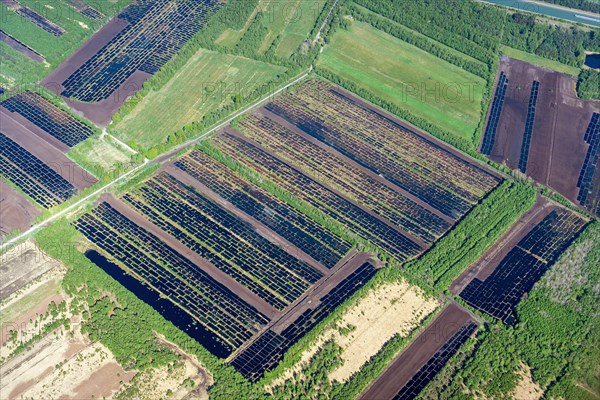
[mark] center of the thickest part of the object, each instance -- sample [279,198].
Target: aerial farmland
[310,199]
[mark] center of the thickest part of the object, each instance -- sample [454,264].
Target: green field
[207,82]
[284,25]
[17,69]
[99,156]
[540,61]
[407,76]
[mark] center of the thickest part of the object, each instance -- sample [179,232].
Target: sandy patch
[526,388]
[21,265]
[390,309]
[21,372]
[83,25]
[63,366]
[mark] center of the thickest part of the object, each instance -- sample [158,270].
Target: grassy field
[287,24]
[407,76]
[100,156]
[540,61]
[18,70]
[207,82]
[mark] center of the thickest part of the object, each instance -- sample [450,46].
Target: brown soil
[405,365]
[100,112]
[22,264]
[50,155]
[20,47]
[18,118]
[54,81]
[102,383]
[16,211]
[557,147]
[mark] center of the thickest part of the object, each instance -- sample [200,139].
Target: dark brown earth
[557,147]
[47,153]
[488,262]
[4,113]
[413,357]
[54,81]
[20,47]
[100,112]
[16,211]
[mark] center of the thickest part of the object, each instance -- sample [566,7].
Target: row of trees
[409,36]
[472,236]
[469,27]
[566,45]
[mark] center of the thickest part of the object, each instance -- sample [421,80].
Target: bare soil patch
[16,211]
[21,265]
[388,310]
[527,389]
[557,149]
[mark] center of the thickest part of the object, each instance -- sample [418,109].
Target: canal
[583,17]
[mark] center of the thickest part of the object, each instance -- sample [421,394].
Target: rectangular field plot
[404,75]
[340,209]
[523,265]
[414,386]
[230,320]
[538,125]
[298,229]
[204,84]
[419,165]
[344,177]
[155,31]
[268,350]
[31,175]
[229,243]
[48,117]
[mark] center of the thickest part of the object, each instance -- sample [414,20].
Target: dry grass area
[388,310]
[527,389]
